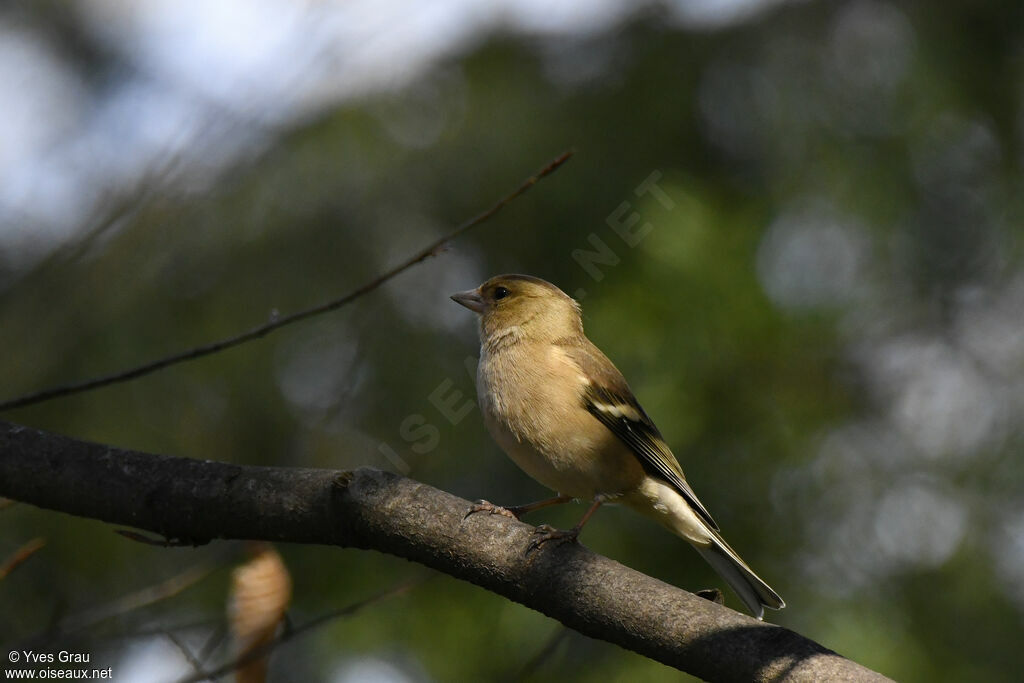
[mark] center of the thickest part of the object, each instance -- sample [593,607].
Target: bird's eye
[501,292]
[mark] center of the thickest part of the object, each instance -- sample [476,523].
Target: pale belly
[574,455]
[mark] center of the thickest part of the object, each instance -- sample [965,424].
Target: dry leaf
[261,590]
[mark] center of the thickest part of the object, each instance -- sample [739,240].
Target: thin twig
[539,659]
[141,598]
[20,555]
[214,624]
[288,634]
[159,542]
[276,322]
[193,662]
[214,639]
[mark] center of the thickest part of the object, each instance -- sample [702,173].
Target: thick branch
[198,501]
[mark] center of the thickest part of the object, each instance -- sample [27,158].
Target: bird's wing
[608,398]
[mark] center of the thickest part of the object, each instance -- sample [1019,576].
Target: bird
[562,411]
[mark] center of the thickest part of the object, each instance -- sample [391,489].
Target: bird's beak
[471,299]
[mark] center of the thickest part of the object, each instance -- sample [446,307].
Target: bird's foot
[545,532]
[712,594]
[491,508]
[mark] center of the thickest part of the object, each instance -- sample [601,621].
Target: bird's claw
[712,594]
[545,532]
[491,508]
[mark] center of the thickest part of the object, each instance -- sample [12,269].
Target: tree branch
[198,501]
[276,322]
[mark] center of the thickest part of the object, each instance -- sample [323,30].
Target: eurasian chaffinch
[563,412]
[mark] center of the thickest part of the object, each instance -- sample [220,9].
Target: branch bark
[198,501]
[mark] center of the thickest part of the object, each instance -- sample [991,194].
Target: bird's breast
[532,405]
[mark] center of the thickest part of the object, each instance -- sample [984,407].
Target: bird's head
[524,306]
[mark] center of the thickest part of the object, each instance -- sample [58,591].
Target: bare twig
[213,641]
[537,661]
[140,598]
[187,653]
[290,633]
[20,555]
[214,624]
[277,322]
[159,542]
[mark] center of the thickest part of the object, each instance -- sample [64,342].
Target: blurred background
[794,226]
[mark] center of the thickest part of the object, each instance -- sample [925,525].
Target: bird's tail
[755,593]
[662,502]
